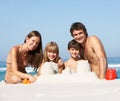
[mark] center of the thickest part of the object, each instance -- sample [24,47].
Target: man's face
[79,36]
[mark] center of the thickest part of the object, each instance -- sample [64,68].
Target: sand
[74,87]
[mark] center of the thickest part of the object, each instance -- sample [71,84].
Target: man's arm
[101,55]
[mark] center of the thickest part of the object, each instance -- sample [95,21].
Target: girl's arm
[61,66]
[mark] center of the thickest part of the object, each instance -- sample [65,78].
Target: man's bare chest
[90,55]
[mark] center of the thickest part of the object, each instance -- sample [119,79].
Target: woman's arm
[14,64]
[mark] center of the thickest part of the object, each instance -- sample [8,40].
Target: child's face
[51,55]
[74,52]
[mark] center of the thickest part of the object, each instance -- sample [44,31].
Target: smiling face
[74,53]
[79,32]
[51,52]
[51,55]
[32,42]
[79,36]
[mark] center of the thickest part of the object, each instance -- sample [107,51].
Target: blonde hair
[51,47]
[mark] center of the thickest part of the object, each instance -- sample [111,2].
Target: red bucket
[111,74]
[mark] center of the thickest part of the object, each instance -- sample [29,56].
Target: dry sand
[75,87]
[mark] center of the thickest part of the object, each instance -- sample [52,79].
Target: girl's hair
[36,55]
[78,26]
[74,44]
[51,47]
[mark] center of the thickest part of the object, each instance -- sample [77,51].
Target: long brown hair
[36,55]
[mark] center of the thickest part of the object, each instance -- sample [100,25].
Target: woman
[29,53]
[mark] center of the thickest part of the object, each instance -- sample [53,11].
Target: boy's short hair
[74,44]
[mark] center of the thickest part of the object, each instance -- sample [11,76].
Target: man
[93,49]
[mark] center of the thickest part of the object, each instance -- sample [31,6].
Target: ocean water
[113,62]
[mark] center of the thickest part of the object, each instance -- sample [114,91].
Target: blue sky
[53,18]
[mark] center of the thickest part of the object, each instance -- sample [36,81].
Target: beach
[62,88]
[74,87]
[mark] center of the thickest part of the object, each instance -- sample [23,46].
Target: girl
[52,63]
[20,56]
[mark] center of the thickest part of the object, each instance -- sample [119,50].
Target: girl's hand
[60,63]
[61,66]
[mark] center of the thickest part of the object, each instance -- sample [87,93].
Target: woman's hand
[31,78]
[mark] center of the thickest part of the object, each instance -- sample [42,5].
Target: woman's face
[74,53]
[51,55]
[32,42]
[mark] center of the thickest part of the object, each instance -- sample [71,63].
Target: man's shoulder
[92,38]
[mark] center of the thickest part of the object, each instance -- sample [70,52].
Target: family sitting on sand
[86,54]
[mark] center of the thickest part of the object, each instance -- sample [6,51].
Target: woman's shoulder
[15,48]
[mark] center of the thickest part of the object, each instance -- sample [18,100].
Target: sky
[53,18]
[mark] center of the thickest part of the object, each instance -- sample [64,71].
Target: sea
[113,62]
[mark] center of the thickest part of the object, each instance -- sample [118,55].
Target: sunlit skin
[32,43]
[73,60]
[79,36]
[17,61]
[74,53]
[93,51]
[51,55]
